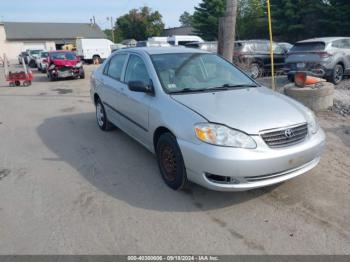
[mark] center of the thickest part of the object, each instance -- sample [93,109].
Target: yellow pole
[271,46]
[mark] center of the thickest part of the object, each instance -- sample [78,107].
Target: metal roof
[51,31]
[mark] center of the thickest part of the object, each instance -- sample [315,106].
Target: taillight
[324,54]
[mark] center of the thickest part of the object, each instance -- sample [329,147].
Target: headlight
[79,64]
[312,122]
[223,136]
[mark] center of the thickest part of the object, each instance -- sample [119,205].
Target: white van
[184,39]
[94,49]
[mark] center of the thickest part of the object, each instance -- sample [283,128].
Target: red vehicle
[64,64]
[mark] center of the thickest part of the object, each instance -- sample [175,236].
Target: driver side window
[136,70]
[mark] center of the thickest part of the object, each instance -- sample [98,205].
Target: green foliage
[186,19]
[117,35]
[251,20]
[295,20]
[206,18]
[140,24]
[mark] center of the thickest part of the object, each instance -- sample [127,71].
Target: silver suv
[327,57]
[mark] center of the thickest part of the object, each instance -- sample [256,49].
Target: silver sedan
[206,121]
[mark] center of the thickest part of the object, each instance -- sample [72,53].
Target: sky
[83,10]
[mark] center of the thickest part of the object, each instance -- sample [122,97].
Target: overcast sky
[83,10]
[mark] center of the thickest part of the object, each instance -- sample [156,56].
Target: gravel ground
[68,188]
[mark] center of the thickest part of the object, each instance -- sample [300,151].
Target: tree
[140,24]
[186,19]
[206,18]
[251,20]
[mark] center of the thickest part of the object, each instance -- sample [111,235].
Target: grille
[285,137]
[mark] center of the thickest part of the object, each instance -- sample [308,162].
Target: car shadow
[122,168]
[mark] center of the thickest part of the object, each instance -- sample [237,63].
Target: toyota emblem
[289,133]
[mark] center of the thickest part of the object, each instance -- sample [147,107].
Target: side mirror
[139,86]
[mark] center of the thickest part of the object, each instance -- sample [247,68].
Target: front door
[134,106]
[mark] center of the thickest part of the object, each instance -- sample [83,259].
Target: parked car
[206,46]
[25,55]
[151,43]
[254,57]
[64,64]
[327,57]
[286,46]
[206,120]
[41,61]
[32,56]
[93,50]
[183,39]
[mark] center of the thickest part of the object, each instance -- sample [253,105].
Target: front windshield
[197,71]
[63,55]
[44,54]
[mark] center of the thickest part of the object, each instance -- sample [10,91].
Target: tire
[337,74]
[255,70]
[27,83]
[96,60]
[32,64]
[170,162]
[51,77]
[290,78]
[101,117]
[82,75]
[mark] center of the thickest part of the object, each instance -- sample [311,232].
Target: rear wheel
[96,60]
[337,74]
[170,162]
[101,117]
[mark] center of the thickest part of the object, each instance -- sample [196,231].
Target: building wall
[13,48]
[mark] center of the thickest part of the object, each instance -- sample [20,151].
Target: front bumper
[67,73]
[250,169]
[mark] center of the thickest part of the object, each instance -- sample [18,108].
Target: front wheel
[101,117]
[255,70]
[170,162]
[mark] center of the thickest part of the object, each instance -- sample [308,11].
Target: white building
[16,37]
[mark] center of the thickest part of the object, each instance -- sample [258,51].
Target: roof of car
[162,50]
[323,39]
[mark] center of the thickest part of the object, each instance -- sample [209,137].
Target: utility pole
[112,27]
[273,83]
[227,30]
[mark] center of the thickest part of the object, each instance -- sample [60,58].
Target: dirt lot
[68,188]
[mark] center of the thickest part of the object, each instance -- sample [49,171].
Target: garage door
[34,46]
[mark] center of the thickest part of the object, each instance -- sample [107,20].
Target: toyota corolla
[205,120]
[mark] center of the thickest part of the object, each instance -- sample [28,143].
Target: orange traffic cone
[301,79]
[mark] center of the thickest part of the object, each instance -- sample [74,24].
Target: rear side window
[116,65]
[346,43]
[308,47]
[338,44]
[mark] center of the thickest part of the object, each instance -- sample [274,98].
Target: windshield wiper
[227,86]
[217,88]
[189,90]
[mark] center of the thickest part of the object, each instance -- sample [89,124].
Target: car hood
[62,62]
[250,110]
